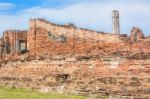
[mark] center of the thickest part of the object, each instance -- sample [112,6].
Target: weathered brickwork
[136,34]
[13,41]
[71,60]
[45,37]
[89,78]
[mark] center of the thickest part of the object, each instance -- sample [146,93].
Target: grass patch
[8,93]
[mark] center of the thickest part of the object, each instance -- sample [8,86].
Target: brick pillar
[1,51]
[12,35]
[5,48]
[31,35]
[17,46]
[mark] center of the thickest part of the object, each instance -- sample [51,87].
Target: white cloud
[6,6]
[95,15]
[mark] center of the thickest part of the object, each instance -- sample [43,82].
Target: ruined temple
[72,60]
[42,33]
[42,37]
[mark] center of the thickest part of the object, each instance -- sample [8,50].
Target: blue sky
[93,14]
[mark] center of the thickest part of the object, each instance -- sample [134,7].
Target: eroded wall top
[70,29]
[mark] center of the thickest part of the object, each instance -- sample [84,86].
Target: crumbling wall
[12,38]
[136,34]
[72,60]
[45,37]
[68,31]
[130,80]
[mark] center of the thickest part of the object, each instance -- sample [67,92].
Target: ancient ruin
[71,60]
[115,22]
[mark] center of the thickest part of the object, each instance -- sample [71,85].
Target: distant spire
[115,22]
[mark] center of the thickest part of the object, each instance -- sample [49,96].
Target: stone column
[115,22]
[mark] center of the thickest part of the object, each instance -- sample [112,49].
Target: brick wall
[38,35]
[11,37]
